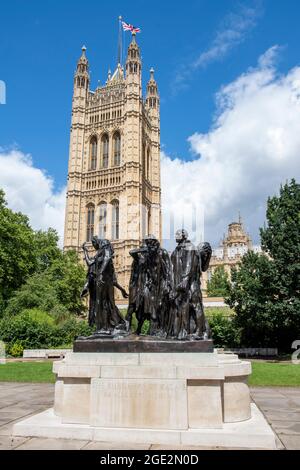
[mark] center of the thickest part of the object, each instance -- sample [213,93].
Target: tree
[252,295]
[46,248]
[265,291]
[17,258]
[218,285]
[55,290]
[68,276]
[34,272]
[281,240]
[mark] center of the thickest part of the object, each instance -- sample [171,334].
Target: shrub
[72,328]
[33,329]
[59,313]
[16,349]
[224,331]
[38,315]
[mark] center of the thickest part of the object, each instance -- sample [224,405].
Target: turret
[152,96]
[82,76]
[133,63]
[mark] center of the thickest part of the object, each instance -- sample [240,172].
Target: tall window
[148,163]
[90,223]
[144,160]
[105,151]
[102,220]
[93,153]
[149,220]
[144,220]
[115,220]
[117,149]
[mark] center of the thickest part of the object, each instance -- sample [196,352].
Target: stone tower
[114,161]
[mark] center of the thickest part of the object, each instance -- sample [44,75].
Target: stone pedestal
[160,398]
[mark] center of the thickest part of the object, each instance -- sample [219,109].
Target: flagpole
[120,41]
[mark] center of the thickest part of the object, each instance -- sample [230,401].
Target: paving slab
[9,443]
[283,415]
[52,444]
[274,404]
[290,442]
[286,427]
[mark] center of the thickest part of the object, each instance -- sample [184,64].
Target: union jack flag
[130,27]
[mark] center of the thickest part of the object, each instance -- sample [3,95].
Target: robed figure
[103,310]
[90,285]
[187,318]
[136,284]
[150,286]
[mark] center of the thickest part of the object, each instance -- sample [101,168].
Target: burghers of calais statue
[164,290]
[101,280]
[167,291]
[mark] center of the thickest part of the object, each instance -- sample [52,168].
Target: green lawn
[27,372]
[210,311]
[275,374]
[263,373]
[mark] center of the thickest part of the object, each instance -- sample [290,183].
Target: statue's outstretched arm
[89,261]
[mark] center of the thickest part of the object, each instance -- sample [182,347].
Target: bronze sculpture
[164,290]
[188,313]
[135,304]
[103,311]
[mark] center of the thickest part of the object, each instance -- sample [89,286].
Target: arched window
[105,151]
[93,153]
[117,148]
[102,219]
[115,220]
[148,163]
[90,222]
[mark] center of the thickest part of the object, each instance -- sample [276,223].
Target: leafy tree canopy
[265,290]
[218,285]
[34,272]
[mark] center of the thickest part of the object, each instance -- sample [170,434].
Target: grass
[27,372]
[263,373]
[210,311]
[275,374]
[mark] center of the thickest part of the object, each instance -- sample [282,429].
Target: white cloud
[252,146]
[232,31]
[31,191]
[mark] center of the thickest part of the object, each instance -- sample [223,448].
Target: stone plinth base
[160,398]
[140,344]
[255,433]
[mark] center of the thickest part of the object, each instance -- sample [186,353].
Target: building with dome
[231,250]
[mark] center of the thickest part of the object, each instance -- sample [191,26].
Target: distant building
[231,250]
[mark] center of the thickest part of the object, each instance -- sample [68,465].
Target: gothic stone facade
[114,162]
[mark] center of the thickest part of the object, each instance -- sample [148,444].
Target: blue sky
[196,47]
